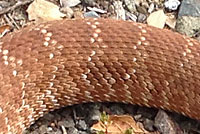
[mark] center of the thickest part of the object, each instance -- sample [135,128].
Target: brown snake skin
[68,62]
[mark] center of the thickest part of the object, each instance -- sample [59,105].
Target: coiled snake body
[67,62]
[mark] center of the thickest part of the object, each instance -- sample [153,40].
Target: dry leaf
[4,29]
[42,10]
[123,124]
[157,19]
[171,20]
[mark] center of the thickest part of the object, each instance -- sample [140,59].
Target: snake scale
[60,63]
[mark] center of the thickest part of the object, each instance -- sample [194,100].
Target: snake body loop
[68,62]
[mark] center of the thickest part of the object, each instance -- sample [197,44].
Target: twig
[8,20]
[18,4]
[13,21]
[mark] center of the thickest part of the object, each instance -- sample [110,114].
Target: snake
[47,66]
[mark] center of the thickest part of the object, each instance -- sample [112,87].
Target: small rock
[188,25]
[189,17]
[94,116]
[69,3]
[189,8]
[68,11]
[137,117]
[172,4]
[157,19]
[131,6]
[142,9]
[42,11]
[165,124]
[141,17]
[78,14]
[91,14]
[148,124]
[82,125]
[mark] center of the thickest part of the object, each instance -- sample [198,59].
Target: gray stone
[91,14]
[82,125]
[189,17]
[190,8]
[188,25]
[141,17]
[68,11]
[131,16]
[94,116]
[148,124]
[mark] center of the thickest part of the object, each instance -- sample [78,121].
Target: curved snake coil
[68,62]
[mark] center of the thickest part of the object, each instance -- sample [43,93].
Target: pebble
[94,116]
[149,124]
[141,17]
[172,4]
[81,125]
[68,11]
[131,5]
[69,3]
[188,18]
[91,14]
[165,124]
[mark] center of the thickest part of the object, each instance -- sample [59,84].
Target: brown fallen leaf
[171,20]
[42,10]
[5,29]
[119,124]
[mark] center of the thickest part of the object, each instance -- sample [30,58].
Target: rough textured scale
[67,62]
